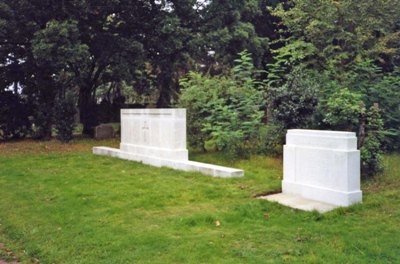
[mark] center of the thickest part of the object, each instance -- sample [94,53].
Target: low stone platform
[298,202]
[186,165]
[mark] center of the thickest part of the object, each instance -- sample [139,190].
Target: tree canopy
[320,64]
[49,47]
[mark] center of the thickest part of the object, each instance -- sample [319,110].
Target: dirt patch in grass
[266,193]
[29,146]
[4,262]
[7,256]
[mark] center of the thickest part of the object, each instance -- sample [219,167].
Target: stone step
[185,165]
[298,202]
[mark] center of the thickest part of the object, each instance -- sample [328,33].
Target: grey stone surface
[298,202]
[104,131]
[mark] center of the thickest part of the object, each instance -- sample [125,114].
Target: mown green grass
[61,204]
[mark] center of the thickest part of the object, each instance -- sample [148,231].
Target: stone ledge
[186,165]
[298,202]
[323,194]
[179,113]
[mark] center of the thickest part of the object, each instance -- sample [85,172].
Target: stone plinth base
[298,202]
[322,166]
[325,195]
[186,165]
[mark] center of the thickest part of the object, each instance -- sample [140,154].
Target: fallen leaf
[217,223]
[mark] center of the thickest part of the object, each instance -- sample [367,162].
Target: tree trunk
[87,111]
[165,92]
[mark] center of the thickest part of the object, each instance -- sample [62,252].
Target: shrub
[343,109]
[197,91]
[14,116]
[64,118]
[272,138]
[367,82]
[43,121]
[371,150]
[294,103]
[223,111]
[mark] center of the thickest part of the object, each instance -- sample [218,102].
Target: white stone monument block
[322,166]
[154,132]
[158,137]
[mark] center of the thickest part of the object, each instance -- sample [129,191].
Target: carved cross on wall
[145,129]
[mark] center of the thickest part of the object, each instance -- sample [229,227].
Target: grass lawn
[61,204]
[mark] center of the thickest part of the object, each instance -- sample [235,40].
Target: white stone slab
[185,165]
[298,202]
[322,166]
[158,137]
[154,132]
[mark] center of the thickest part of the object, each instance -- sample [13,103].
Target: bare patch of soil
[29,146]
[266,193]
[5,251]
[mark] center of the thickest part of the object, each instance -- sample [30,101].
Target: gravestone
[158,137]
[321,170]
[104,131]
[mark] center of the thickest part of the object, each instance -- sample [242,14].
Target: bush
[64,118]
[371,150]
[294,103]
[43,121]
[370,84]
[343,109]
[272,138]
[14,117]
[197,91]
[223,111]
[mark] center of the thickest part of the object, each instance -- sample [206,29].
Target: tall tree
[233,26]
[49,47]
[337,34]
[79,42]
[172,42]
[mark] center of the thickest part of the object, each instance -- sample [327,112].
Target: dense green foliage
[371,150]
[14,112]
[64,116]
[224,111]
[47,47]
[336,34]
[343,109]
[61,204]
[294,103]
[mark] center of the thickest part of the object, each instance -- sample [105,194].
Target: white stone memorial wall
[154,132]
[157,137]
